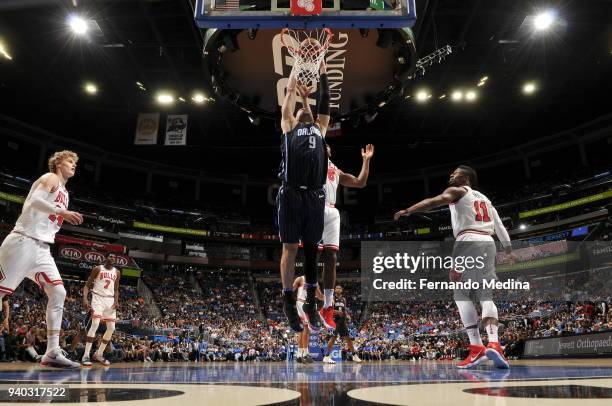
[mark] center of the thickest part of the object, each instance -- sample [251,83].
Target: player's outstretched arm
[500,231]
[288,107]
[450,195]
[348,180]
[323,110]
[42,187]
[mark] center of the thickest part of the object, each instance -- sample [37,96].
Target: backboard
[243,14]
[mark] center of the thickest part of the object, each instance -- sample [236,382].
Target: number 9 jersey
[473,213]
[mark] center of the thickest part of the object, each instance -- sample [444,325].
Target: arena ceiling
[156,43]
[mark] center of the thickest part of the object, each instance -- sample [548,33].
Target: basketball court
[551,382]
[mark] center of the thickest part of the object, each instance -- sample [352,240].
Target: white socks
[492,332]
[329,297]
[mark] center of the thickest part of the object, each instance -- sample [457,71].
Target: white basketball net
[308,48]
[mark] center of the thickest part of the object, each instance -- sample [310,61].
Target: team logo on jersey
[71,253]
[331,173]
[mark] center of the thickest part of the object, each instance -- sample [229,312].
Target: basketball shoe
[292,314]
[327,360]
[327,316]
[476,357]
[86,361]
[314,321]
[57,358]
[495,353]
[99,358]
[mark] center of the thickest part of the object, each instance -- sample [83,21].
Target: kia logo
[121,261]
[93,256]
[71,253]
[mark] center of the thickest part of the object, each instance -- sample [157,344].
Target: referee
[301,198]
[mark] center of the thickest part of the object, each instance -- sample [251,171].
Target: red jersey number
[56,219]
[106,283]
[482,213]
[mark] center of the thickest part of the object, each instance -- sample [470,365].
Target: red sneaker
[495,353]
[327,315]
[476,357]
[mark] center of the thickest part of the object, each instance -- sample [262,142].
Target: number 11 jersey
[472,213]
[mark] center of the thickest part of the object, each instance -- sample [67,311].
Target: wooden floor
[528,382]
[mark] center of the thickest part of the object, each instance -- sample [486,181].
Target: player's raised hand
[72,217]
[368,152]
[399,214]
[322,67]
[292,80]
[304,90]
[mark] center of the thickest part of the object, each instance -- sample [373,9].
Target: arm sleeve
[38,201]
[323,104]
[500,229]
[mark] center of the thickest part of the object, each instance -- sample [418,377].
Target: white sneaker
[57,358]
[101,359]
[85,361]
[327,360]
[356,358]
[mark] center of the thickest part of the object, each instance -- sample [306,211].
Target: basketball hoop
[308,49]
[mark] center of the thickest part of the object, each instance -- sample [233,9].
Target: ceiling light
[470,95]
[78,25]
[422,96]
[165,98]
[91,88]
[457,95]
[442,97]
[198,98]
[181,99]
[522,227]
[481,83]
[4,52]
[484,78]
[529,88]
[543,21]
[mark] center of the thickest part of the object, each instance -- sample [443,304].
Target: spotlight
[198,98]
[470,96]
[91,88]
[457,96]
[484,78]
[165,98]
[182,99]
[141,86]
[78,25]
[522,227]
[4,52]
[422,96]
[442,97]
[529,88]
[543,21]
[254,119]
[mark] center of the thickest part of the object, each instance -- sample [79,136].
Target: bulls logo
[71,253]
[307,5]
[331,173]
[93,256]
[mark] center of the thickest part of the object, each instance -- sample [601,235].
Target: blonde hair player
[25,252]
[330,242]
[474,220]
[104,284]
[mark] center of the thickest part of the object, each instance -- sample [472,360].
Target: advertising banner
[584,344]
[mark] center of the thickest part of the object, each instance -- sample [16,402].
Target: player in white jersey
[304,336]
[25,252]
[330,242]
[103,282]
[474,220]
